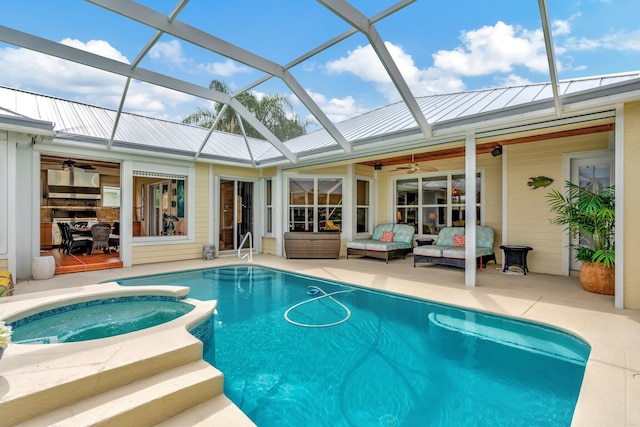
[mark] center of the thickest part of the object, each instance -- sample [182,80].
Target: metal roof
[82,122]
[423,118]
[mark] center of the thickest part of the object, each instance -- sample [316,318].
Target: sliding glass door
[236,213]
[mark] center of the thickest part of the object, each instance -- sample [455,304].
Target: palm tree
[274,111]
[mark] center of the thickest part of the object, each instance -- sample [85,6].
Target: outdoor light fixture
[497,151]
[377,166]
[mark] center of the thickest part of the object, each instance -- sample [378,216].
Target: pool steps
[144,402]
[150,377]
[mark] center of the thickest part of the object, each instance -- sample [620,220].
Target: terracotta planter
[594,277]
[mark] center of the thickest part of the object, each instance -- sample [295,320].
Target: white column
[470,209]
[280,212]
[619,232]
[126,212]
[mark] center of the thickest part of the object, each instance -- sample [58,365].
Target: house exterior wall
[235,171]
[528,214]
[631,205]
[166,252]
[269,245]
[492,167]
[364,171]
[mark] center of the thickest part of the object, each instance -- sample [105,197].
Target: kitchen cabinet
[46,238]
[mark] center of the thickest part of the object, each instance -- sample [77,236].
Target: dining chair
[100,235]
[72,242]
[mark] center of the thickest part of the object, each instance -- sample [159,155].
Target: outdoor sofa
[449,248]
[388,241]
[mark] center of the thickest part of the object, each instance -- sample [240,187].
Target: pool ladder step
[147,401]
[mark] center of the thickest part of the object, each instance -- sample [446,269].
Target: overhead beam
[211,129]
[551,57]
[114,128]
[359,21]
[486,147]
[158,21]
[31,42]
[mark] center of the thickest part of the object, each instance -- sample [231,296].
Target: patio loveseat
[388,241]
[449,249]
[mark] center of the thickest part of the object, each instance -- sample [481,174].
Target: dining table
[83,231]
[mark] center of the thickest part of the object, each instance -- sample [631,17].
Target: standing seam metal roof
[76,120]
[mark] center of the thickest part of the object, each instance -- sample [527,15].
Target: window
[433,202]
[111,196]
[406,201]
[160,204]
[269,203]
[362,205]
[315,204]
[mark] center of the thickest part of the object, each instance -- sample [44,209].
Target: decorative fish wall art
[541,181]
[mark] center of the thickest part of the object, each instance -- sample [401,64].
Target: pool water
[395,361]
[97,319]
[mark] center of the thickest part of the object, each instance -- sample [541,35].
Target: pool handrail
[250,254]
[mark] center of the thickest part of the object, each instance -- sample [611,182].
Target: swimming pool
[98,318]
[394,361]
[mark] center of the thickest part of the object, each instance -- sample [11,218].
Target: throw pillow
[459,240]
[387,236]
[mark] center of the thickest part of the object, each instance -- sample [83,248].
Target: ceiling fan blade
[68,164]
[399,168]
[429,168]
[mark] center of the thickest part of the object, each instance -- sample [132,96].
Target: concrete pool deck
[610,392]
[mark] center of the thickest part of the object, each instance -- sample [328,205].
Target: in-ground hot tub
[98,318]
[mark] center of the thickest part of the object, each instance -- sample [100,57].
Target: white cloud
[169,52]
[560,27]
[513,80]
[98,47]
[156,101]
[224,69]
[493,49]
[37,72]
[620,41]
[336,109]
[364,63]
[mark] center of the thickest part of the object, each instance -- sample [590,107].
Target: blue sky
[440,47]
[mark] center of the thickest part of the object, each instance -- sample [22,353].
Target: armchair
[100,235]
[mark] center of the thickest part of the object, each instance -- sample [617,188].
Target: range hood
[73,183]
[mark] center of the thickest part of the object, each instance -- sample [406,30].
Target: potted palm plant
[590,219]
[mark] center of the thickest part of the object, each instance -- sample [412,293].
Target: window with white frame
[160,204]
[269,206]
[315,204]
[431,203]
[363,207]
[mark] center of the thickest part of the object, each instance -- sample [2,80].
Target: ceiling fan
[69,164]
[414,167]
